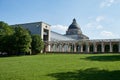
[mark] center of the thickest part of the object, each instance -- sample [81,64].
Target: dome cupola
[74,28]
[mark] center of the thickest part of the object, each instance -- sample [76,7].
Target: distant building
[73,41]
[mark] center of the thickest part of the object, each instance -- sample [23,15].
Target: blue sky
[98,19]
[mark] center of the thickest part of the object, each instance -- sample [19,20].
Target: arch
[107,48]
[77,48]
[99,48]
[115,48]
[71,48]
[84,48]
[91,48]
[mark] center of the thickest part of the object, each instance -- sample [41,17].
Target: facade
[86,46]
[73,41]
[41,28]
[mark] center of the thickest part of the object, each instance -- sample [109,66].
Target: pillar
[95,47]
[68,47]
[111,50]
[51,47]
[59,47]
[103,47]
[87,47]
[74,48]
[62,47]
[81,48]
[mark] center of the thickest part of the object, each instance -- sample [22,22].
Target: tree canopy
[22,40]
[18,41]
[37,44]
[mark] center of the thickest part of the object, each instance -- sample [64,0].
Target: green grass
[61,67]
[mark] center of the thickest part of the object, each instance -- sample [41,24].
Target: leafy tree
[37,44]
[22,41]
[5,29]
[5,33]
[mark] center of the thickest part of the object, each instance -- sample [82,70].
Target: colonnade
[87,46]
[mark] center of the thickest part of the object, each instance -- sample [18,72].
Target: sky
[98,19]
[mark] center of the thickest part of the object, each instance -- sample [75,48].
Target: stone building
[73,41]
[41,28]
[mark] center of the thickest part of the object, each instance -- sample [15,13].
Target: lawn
[61,67]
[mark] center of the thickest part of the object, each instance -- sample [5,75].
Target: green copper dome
[74,28]
[74,25]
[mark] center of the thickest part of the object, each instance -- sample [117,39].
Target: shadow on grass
[104,58]
[88,74]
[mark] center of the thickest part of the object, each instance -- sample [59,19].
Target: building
[73,41]
[41,28]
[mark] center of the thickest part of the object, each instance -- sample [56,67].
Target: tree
[5,29]
[37,44]
[5,33]
[22,41]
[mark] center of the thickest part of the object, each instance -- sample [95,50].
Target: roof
[59,37]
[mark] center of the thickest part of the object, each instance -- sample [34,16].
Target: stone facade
[86,46]
[41,28]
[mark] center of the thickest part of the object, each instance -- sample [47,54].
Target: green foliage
[22,41]
[17,40]
[5,37]
[37,44]
[5,29]
[14,41]
[61,67]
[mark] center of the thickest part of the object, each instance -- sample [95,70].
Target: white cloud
[96,24]
[107,3]
[59,28]
[100,18]
[108,34]
[99,27]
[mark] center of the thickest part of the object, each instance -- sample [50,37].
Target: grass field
[61,67]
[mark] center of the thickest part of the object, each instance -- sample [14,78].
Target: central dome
[74,29]
[74,25]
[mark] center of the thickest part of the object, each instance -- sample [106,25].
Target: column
[103,47]
[74,48]
[68,47]
[51,47]
[81,48]
[95,47]
[57,47]
[111,47]
[87,48]
[62,47]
